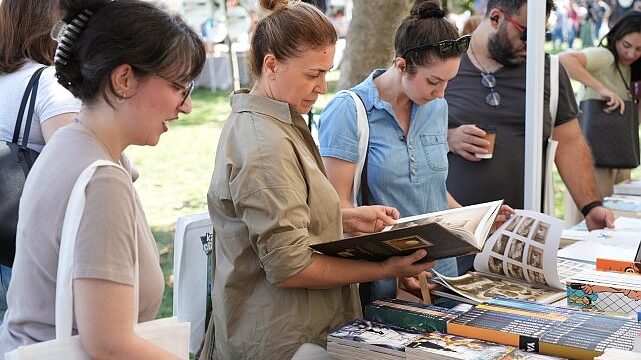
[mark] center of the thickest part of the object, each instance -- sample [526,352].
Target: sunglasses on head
[445,48]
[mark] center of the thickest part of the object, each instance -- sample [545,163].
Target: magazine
[443,234]
[518,261]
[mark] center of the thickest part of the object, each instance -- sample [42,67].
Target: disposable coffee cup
[490,135]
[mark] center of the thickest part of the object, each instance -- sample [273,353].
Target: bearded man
[489,89]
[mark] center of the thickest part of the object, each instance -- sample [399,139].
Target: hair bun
[426,9]
[431,13]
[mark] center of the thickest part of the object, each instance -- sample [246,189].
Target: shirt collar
[243,101]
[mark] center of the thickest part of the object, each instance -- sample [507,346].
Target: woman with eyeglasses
[269,200]
[609,72]
[406,163]
[132,85]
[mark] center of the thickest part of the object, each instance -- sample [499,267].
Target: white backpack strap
[554,89]
[71,223]
[363,141]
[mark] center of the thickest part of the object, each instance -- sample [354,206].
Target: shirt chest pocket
[435,147]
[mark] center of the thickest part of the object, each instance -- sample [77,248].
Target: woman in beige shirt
[131,84]
[269,199]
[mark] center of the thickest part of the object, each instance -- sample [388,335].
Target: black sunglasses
[445,48]
[493,98]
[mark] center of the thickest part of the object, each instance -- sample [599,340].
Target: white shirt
[52,99]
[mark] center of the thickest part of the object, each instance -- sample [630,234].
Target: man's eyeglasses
[445,48]
[187,90]
[493,98]
[520,28]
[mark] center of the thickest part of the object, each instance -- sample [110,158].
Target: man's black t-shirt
[502,176]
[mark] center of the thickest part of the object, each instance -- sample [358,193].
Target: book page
[469,222]
[481,287]
[524,249]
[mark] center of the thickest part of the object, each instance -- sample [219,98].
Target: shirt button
[412,158]
[413,171]
[410,147]
[402,137]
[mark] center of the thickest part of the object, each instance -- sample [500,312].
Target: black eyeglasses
[187,90]
[493,98]
[445,48]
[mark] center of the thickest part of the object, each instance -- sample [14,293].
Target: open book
[444,234]
[518,261]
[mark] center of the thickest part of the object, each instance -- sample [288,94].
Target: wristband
[586,209]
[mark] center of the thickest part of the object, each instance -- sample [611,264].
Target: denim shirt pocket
[435,147]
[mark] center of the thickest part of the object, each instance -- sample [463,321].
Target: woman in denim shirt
[407,116]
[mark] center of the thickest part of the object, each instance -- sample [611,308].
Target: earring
[121,99]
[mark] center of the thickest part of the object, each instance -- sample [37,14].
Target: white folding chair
[191,243]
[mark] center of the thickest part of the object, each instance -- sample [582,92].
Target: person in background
[490,89]
[269,200]
[471,24]
[131,86]
[26,46]
[607,72]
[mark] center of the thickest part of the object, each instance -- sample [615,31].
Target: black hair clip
[440,13]
[67,33]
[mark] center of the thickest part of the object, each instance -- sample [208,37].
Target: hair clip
[440,13]
[57,30]
[67,33]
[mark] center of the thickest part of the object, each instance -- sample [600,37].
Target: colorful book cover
[365,334]
[409,315]
[444,346]
[606,291]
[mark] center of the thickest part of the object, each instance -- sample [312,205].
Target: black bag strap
[30,93]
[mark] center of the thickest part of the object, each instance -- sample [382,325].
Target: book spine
[405,319]
[567,351]
[486,334]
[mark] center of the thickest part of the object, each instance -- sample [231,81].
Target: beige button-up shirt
[269,200]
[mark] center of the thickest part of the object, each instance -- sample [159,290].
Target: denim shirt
[407,172]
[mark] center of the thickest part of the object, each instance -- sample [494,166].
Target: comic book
[607,291]
[518,261]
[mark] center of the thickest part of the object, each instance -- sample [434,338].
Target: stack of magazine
[364,339]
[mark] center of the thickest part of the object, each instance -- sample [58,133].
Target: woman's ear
[270,65]
[400,64]
[123,81]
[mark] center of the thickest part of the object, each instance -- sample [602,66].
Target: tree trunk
[370,40]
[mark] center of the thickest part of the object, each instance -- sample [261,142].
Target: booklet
[443,234]
[518,261]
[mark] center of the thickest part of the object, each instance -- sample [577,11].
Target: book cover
[518,261]
[606,291]
[409,315]
[437,346]
[365,336]
[443,234]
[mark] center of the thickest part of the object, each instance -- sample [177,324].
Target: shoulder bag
[167,334]
[15,162]
[359,186]
[613,138]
